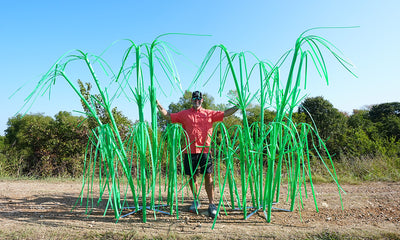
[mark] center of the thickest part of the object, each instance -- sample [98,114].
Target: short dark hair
[197,94]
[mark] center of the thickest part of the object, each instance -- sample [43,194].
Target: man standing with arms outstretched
[198,123]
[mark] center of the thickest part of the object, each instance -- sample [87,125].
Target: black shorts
[204,165]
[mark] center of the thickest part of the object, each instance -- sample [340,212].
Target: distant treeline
[42,146]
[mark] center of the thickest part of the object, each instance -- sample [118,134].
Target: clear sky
[34,34]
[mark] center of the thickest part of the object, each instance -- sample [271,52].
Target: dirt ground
[36,209]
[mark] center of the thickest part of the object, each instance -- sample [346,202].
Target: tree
[330,123]
[386,118]
[69,143]
[366,137]
[42,146]
[254,113]
[4,160]
[360,120]
[390,127]
[328,120]
[380,111]
[356,143]
[123,123]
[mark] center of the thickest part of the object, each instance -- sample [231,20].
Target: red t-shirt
[198,125]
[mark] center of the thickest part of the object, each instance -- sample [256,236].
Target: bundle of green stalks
[130,168]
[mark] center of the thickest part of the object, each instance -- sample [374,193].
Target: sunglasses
[196,98]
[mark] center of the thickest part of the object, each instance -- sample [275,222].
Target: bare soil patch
[36,209]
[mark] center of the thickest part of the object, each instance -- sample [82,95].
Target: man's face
[196,102]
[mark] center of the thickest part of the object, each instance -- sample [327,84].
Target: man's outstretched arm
[164,112]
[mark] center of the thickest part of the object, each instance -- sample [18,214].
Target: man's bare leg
[212,210]
[209,187]
[195,189]
[194,186]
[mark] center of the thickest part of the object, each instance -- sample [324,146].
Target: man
[198,122]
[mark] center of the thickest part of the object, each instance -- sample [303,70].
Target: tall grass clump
[370,168]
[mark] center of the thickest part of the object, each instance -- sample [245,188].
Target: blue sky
[34,34]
